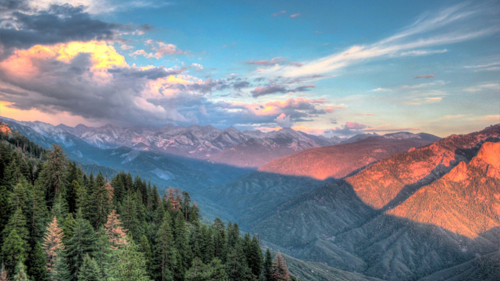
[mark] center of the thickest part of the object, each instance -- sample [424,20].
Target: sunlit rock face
[340,160]
[380,183]
[465,201]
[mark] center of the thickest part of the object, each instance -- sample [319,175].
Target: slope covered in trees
[58,223]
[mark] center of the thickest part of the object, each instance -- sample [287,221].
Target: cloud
[278,13]
[297,64]
[283,121]
[295,15]
[425,76]
[448,26]
[366,114]
[389,128]
[349,129]
[495,119]
[152,73]
[493,66]
[126,47]
[59,24]
[483,87]
[274,88]
[457,116]
[420,101]
[198,66]
[90,80]
[422,52]
[270,62]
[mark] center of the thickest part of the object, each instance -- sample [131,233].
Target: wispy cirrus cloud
[449,26]
[483,87]
[493,66]
[422,52]
[295,15]
[270,62]
[278,13]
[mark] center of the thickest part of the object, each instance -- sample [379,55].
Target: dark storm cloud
[59,24]
[241,84]
[145,27]
[275,88]
[152,73]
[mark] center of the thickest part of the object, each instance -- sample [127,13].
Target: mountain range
[400,206]
[228,146]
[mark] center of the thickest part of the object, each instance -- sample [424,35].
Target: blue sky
[327,67]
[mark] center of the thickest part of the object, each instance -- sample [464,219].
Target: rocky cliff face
[402,174]
[466,200]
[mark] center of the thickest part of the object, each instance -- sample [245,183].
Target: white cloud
[423,52]
[483,87]
[420,101]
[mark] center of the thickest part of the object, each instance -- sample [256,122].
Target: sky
[333,68]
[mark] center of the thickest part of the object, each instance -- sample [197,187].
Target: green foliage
[82,243]
[267,268]
[21,274]
[89,270]
[127,263]
[237,267]
[36,264]
[61,270]
[165,252]
[13,251]
[166,240]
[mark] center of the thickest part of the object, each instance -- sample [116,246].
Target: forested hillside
[58,223]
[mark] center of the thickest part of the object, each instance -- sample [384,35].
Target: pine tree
[72,193]
[39,213]
[83,242]
[18,222]
[216,271]
[21,272]
[254,256]
[103,253]
[197,272]
[165,250]
[145,249]
[236,266]
[207,244]
[5,210]
[268,267]
[60,272]
[116,233]
[129,215]
[53,173]
[52,244]
[280,270]
[220,240]
[13,252]
[19,198]
[233,234]
[67,227]
[89,270]
[128,264]
[100,206]
[182,244]
[36,264]
[82,201]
